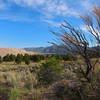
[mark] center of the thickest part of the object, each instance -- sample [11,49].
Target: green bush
[69,57]
[6,58]
[17,94]
[9,58]
[26,59]
[19,59]
[67,90]
[50,71]
[0,59]
[35,58]
[14,94]
[12,57]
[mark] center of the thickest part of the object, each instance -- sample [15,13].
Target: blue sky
[26,23]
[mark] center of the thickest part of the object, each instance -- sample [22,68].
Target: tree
[69,57]
[0,59]
[12,57]
[27,59]
[19,59]
[6,58]
[9,58]
[35,58]
[49,72]
[93,23]
[72,37]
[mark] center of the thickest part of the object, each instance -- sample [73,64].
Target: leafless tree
[93,23]
[74,37]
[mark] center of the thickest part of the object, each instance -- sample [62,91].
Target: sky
[27,23]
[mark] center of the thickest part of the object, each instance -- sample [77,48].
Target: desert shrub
[17,94]
[41,57]
[4,91]
[11,80]
[0,59]
[9,58]
[37,58]
[57,56]
[69,57]
[69,74]
[97,80]
[67,90]
[93,53]
[6,58]
[50,71]
[12,57]
[30,81]
[26,59]
[38,94]
[19,59]
[14,94]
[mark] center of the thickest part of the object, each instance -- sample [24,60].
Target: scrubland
[33,82]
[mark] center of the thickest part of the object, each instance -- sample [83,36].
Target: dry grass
[26,80]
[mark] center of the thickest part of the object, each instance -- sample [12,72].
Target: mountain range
[54,49]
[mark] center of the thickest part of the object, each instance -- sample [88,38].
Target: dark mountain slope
[54,49]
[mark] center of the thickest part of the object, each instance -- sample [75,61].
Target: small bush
[69,57]
[9,58]
[6,58]
[67,90]
[14,94]
[0,59]
[50,71]
[19,59]
[26,59]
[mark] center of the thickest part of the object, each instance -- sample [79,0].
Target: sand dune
[5,51]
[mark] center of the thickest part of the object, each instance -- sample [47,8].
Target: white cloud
[50,9]
[59,8]
[87,6]
[52,23]
[28,3]
[15,18]
[53,7]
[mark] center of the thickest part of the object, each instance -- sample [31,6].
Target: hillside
[5,51]
[54,49]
